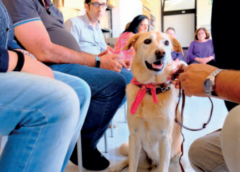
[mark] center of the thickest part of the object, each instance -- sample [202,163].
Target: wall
[204,12]
[155,8]
[125,11]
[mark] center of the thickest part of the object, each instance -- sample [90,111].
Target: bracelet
[20,61]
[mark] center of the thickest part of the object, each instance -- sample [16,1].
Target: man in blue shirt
[39,28]
[88,34]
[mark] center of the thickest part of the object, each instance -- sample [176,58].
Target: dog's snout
[160,53]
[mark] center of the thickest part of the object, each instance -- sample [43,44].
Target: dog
[155,139]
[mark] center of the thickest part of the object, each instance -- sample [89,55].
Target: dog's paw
[124,149]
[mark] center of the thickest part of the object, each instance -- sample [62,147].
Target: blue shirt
[90,39]
[176,55]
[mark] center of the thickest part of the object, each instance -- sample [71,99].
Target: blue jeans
[41,118]
[107,94]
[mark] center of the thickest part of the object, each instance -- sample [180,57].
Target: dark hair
[170,28]
[87,1]
[133,27]
[206,32]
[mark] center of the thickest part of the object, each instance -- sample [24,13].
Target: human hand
[110,61]
[126,63]
[26,53]
[38,68]
[192,79]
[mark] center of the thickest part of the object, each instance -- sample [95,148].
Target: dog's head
[152,59]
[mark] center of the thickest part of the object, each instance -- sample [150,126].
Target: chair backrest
[185,52]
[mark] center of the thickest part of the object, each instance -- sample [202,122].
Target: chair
[185,52]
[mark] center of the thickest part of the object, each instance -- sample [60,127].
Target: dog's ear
[176,45]
[131,42]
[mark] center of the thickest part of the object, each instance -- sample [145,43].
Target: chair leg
[79,151]
[125,111]
[112,128]
[106,142]
[0,145]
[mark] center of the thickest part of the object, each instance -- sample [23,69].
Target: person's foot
[94,160]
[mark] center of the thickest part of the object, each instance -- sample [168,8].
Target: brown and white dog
[155,139]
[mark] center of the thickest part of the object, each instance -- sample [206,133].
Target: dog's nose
[160,54]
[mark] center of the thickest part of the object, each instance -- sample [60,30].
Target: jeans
[41,118]
[218,151]
[107,94]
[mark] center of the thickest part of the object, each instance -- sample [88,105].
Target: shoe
[94,160]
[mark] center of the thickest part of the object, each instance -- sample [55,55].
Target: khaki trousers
[218,151]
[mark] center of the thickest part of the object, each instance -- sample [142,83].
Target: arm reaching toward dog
[227,83]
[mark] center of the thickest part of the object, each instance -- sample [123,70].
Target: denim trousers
[107,95]
[41,118]
[219,151]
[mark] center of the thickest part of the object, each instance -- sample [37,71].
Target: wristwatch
[210,83]
[97,64]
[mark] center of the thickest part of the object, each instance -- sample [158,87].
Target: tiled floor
[196,112]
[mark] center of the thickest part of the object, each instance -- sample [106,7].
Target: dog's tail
[124,149]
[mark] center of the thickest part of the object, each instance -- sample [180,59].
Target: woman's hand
[30,65]
[125,63]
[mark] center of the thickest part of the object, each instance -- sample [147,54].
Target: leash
[181,93]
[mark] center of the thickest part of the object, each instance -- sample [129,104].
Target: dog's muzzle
[156,66]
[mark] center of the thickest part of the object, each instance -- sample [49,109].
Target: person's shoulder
[78,20]
[193,42]
[210,40]
[127,34]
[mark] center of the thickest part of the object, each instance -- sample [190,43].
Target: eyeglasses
[97,5]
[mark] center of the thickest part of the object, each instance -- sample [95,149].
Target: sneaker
[95,161]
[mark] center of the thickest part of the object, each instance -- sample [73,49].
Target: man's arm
[34,37]
[228,85]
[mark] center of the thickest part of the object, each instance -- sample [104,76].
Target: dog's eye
[147,41]
[166,43]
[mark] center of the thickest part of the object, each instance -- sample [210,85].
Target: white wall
[125,11]
[204,13]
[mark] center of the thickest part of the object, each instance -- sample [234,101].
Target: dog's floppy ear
[131,42]
[176,45]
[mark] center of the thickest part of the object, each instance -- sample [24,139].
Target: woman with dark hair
[139,24]
[201,49]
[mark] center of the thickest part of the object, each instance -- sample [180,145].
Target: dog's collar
[151,89]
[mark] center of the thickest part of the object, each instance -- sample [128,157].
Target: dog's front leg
[165,153]
[134,151]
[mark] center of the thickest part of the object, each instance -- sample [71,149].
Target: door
[181,15]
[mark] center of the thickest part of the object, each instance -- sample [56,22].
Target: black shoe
[94,160]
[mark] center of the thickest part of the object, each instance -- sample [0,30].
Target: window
[175,5]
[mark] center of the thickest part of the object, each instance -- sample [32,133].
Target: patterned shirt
[121,43]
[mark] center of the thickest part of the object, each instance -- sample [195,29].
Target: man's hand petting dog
[192,78]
